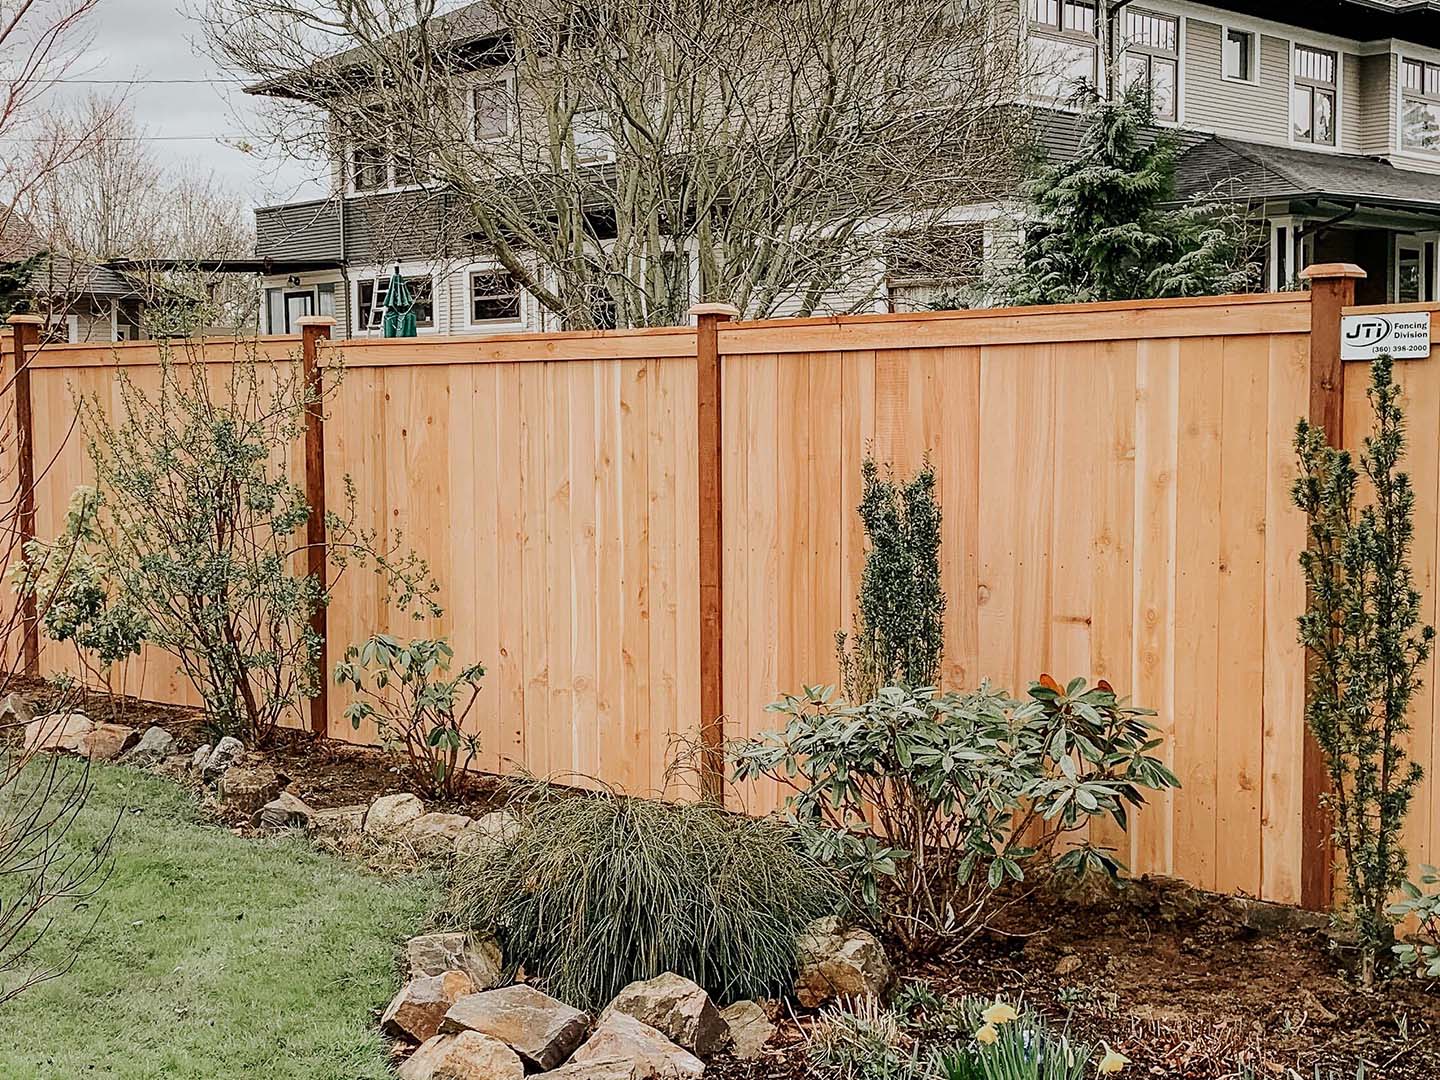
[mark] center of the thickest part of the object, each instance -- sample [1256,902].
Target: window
[1152,58]
[491,102]
[593,141]
[494,297]
[1314,95]
[1063,45]
[370,167]
[371,301]
[1238,55]
[1420,106]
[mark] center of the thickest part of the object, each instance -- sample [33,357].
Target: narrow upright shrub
[899,628]
[592,892]
[1363,631]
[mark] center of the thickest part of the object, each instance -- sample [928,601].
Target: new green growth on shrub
[193,539]
[932,802]
[899,631]
[594,891]
[415,710]
[1421,953]
[1362,628]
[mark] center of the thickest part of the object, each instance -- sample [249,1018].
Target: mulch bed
[1182,982]
[1186,986]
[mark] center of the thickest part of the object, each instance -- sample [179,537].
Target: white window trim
[1399,74]
[490,326]
[508,79]
[1030,29]
[1178,57]
[1254,36]
[352,192]
[1339,90]
[407,270]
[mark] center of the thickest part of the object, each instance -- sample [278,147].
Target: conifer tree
[1106,225]
[1363,631]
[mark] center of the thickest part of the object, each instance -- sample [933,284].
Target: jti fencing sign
[1404,335]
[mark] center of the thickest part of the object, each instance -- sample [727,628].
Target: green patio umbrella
[399,308]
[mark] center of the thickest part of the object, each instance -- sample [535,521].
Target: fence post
[1332,287]
[26,342]
[708,414]
[314,329]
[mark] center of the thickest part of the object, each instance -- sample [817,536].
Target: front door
[296,305]
[1411,278]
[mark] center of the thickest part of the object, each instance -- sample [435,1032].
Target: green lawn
[214,957]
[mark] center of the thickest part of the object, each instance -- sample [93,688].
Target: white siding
[1258,111]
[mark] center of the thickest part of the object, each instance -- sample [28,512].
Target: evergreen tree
[1106,225]
[1363,630]
[899,630]
[15,278]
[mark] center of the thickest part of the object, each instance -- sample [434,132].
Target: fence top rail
[217,350]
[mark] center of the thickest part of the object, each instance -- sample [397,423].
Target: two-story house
[1323,118]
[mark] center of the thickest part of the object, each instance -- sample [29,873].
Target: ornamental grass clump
[595,891]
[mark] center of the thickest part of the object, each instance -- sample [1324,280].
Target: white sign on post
[1405,335]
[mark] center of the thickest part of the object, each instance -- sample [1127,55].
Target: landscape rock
[174,767]
[199,759]
[838,962]
[478,956]
[435,835]
[245,789]
[226,751]
[58,731]
[467,1055]
[16,710]
[676,1007]
[619,1037]
[599,1070]
[1068,965]
[287,811]
[390,814]
[416,1011]
[487,831]
[542,1030]
[340,824]
[154,746]
[106,742]
[750,1028]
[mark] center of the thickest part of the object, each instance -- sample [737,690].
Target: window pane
[1414,75]
[492,110]
[1432,80]
[592,137]
[1137,70]
[1421,127]
[1408,273]
[1080,16]
[1045,11]
[422,290]
[1315,65]
[1304,127]
[494,297]
[1152,31]
[1162,87]
[371,167]
[1325,117]
[1237,54]
[1062,65]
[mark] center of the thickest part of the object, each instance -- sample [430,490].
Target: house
[1323,118]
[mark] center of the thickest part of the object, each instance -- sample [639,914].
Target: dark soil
[1185,984]
[322,772]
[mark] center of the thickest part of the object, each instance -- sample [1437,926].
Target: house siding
[309,230]
[1352,115]
[1258,111]
[1375,128]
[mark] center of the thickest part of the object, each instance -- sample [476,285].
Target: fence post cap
[1332,270]
[730,311]
[24,320]
[307,321]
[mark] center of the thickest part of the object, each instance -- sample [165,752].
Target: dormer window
[1063,45]
[1314,95]
[1152,58]
[1420,106]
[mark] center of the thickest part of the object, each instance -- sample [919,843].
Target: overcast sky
[188,122]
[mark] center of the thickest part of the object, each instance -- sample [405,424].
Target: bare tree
[42,870]
[616,157]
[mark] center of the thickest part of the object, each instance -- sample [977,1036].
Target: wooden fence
[1115,481]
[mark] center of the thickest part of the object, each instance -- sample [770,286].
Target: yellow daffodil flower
[987,1035]
[999,1013]
[1112,1062]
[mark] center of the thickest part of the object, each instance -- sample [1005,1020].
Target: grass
[213,956]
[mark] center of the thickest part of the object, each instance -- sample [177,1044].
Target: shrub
[861,1040]
[899,631]
[414,711]
[192,539]
[1362,629]
[595,891]
[1421,953]
[931,802]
